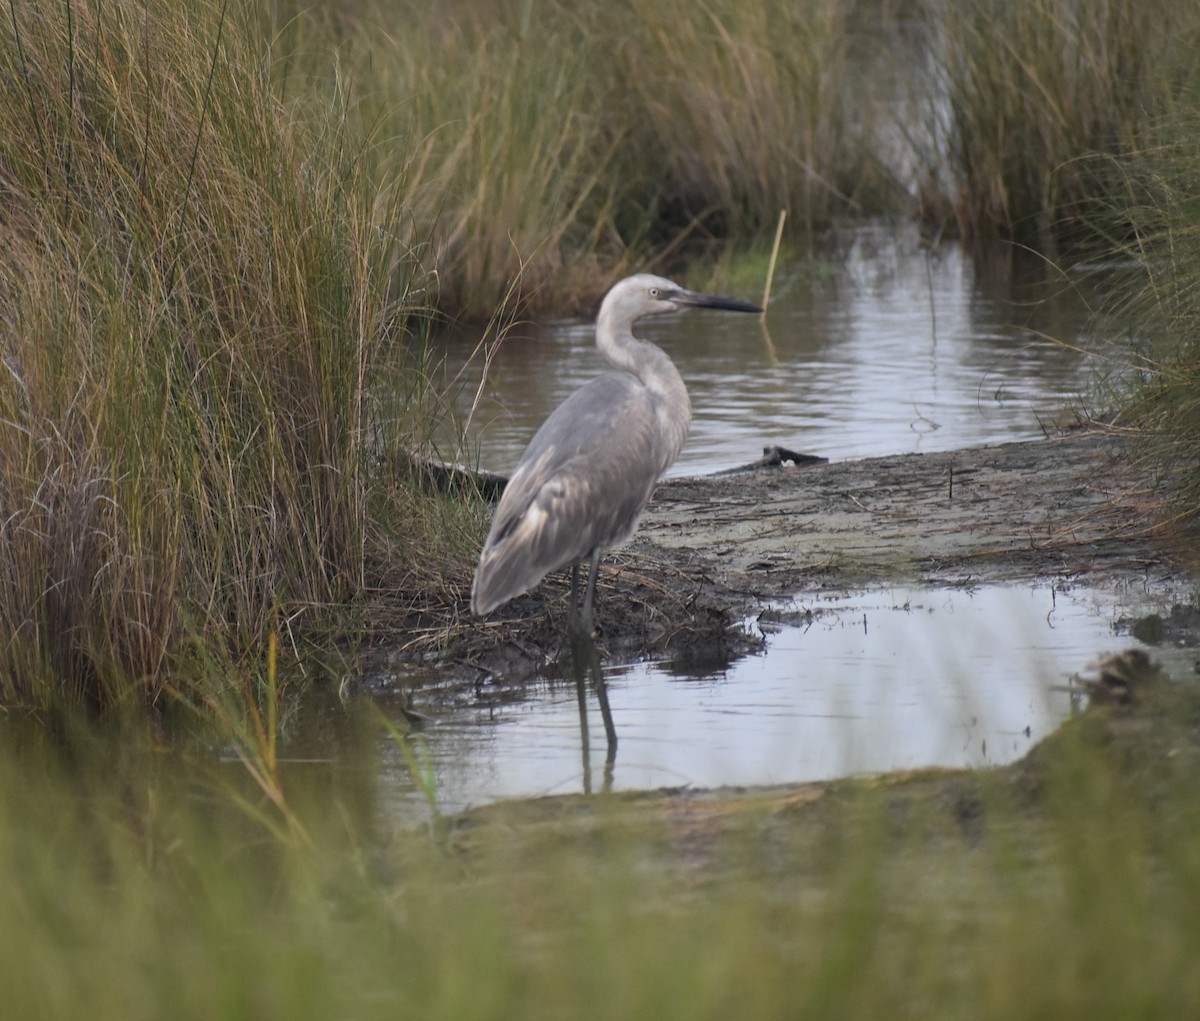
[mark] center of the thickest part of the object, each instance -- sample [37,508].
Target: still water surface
[882,346]
[873,682]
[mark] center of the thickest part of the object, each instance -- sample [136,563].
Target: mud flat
[1061,506]
[711,550]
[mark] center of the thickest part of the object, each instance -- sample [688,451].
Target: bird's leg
[573,627]
[581,693]
[589,595]
[579,618]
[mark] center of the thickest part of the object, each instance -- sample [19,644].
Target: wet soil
[710,551]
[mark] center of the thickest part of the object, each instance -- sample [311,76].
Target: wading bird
[582,482]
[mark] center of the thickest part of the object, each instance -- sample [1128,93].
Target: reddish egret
[582,482]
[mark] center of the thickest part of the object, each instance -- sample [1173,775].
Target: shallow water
[873,682]
[884,346]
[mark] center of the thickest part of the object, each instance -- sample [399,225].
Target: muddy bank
[1061,506]
[712,550]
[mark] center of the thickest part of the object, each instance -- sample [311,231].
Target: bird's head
[646,295]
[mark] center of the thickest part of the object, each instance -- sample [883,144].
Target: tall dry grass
[742,110]
[544,148]
[190,301]
[509,168]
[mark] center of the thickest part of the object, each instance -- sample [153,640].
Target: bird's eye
[653,292]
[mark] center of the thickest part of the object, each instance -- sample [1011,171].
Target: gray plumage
[582,482]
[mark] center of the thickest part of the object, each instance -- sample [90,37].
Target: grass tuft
[1159,316]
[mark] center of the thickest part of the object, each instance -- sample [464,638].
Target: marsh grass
[191,299]
[513,175]
[756,108]
[1157,319]
[551,147]
[543,149]
[1037,95]
[489,129]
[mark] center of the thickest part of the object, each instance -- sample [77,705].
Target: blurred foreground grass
[146,884]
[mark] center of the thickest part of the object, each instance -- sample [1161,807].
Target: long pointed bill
[694,300]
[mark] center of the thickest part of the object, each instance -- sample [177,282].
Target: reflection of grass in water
[1067,886]
[421,772]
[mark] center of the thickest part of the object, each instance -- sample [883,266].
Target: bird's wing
[581,483]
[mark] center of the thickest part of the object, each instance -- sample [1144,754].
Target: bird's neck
[640,358]
[657,373]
